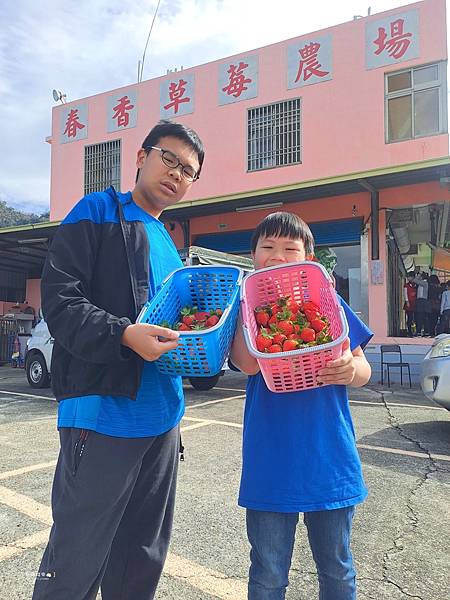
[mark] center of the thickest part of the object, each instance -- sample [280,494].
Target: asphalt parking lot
[401,538]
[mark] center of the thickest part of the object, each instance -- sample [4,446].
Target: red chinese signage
[176,93]
[309,64]
[237,80]
[398,42]
[73,124]
[121,111]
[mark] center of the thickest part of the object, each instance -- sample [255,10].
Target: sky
[92,46]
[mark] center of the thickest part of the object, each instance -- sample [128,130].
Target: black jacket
[94,283]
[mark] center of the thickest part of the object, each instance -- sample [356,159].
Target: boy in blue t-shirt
[299,448]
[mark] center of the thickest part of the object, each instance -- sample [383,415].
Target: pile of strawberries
[287,325]
[191,319]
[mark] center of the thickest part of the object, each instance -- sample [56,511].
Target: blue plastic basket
[199,353]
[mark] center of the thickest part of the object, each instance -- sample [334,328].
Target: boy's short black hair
[284,224]
[166,128]
[411,274]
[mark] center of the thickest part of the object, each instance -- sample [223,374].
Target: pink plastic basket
[295,370]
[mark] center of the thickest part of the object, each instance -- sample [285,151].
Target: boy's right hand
[144,340]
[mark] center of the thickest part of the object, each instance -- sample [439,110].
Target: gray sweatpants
[113,502]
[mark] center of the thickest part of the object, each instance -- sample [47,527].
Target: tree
[10,216]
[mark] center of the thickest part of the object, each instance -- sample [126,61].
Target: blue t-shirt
[159,404]
[299,448]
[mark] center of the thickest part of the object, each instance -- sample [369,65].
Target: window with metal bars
[416,102]
[273,135]
[102,166]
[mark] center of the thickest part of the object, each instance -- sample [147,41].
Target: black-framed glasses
[172,161]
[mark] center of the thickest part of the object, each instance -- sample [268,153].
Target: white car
[435,377]
[38,358]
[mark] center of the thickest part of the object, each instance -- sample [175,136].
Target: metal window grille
[273,135]
[413,117]
[101,166]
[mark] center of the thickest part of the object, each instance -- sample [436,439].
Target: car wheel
[204,383]
[37,373]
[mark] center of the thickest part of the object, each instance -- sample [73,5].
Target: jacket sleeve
[83,329]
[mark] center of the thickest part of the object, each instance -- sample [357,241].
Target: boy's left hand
[340,371]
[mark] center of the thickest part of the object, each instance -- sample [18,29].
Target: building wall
[342,123]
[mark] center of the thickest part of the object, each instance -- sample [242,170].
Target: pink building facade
[346,126]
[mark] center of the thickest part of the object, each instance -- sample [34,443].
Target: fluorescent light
[259,206]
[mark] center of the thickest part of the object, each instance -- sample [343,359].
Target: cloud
[91,46]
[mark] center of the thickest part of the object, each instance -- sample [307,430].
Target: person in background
[422,321]
[409,297]
[444,322]
[434,303]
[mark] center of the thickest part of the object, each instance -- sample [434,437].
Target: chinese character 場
[398,44]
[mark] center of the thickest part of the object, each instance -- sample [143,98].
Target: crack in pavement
[430,468]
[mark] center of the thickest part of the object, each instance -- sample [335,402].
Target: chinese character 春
[176,92]
[237,80]
[398,44]
[121,114]
[309,64]
[72,124]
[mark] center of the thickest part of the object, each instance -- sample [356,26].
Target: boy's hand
[144,340]
[340,371]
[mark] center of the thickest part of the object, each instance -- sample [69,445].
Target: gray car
[435,378]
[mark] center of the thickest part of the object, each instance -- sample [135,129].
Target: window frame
[250,159]
[440,84]
[109,150]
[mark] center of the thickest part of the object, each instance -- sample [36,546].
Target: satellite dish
[56,95]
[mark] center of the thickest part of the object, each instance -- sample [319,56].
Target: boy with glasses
[118,417]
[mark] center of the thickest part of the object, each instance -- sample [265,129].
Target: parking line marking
[27,395]
[29,469]
[26,543]
[207,580]
[26,505]
[195,426]
[380,403]
[229,389]
[215,401]
[443,457]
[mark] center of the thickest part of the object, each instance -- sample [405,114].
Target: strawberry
[201,316]
[286,327]
[311,315]
[274,348]
[279,338]
[188,320]
[273,320]
[275,308]
[310,306]
[293,336]
[318,325]
[212,320]
[262,317]
[293,306]
[182,327]
[263,341]
[218,312]
[290,345]
[308,334]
